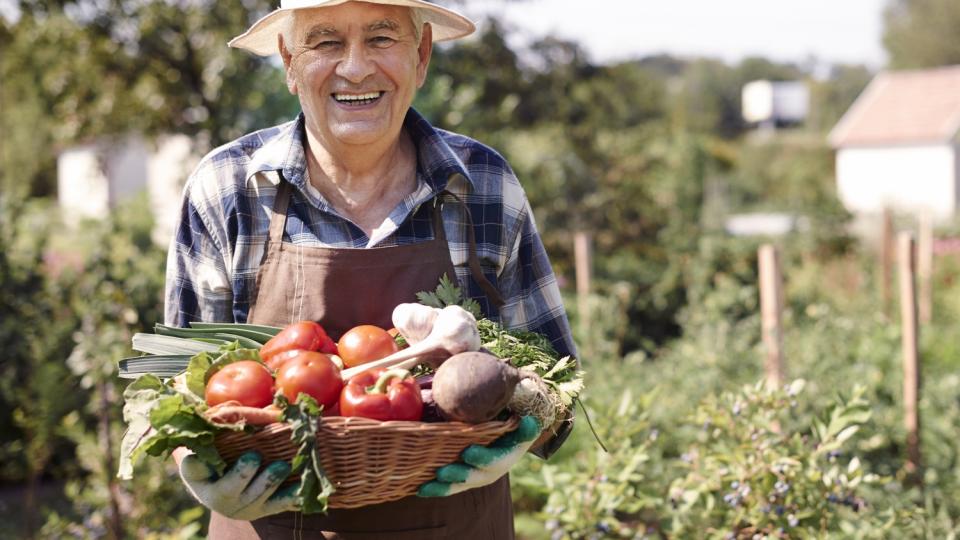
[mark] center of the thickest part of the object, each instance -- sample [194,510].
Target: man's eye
[326,44]
[382,41]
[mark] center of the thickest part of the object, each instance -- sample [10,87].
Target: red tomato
[311,373]
[303,335]
[365,343]
[394,333]
[332,411]
[277,360]
[247,381]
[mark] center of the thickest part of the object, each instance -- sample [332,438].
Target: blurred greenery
[648,155]
[922,33]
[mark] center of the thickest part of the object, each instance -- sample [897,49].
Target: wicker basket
[369,461]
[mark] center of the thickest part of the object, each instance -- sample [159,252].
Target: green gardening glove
[483,465]
[240,493]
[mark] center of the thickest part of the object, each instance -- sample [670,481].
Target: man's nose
[355,65]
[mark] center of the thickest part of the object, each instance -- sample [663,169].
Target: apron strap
[493,294]
[278,221]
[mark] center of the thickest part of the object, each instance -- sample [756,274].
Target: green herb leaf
[315,488]
[448,294]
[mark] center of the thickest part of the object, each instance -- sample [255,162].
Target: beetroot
[473,387]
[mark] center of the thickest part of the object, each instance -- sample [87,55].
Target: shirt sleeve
[532,298]
[197,282]
[533,303]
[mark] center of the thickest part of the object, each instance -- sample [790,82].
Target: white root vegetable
[533,397]
[454,331]
[414,321]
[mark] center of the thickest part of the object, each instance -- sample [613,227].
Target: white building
[899,144]
[93,178]
[775,102]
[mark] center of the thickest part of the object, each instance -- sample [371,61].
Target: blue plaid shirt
[228,200]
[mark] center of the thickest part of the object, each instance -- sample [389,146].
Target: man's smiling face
[355,68]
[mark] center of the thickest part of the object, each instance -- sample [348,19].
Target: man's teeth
[357,98]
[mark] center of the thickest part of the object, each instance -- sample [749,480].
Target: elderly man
[342,214]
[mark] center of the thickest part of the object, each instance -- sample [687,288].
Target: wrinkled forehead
[349,16]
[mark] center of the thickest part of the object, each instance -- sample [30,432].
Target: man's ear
[286,57]
[424,51]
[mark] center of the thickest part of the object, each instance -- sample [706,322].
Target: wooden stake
[911,355]
[771,313]
[925,268]
[583,267]
[886,261]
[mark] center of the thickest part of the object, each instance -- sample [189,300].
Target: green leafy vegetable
[315,487]
[196,374]
[448,294]
[139,398]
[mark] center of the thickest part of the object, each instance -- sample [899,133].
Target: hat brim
[261,37]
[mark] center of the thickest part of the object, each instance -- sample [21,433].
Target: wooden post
[886,261]
[771,313]
[911,354]
[583,265]
[925,268]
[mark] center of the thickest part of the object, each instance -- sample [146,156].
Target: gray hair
[416,18]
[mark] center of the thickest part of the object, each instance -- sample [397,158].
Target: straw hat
[261,38]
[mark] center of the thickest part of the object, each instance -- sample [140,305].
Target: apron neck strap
[473,260]
[278,221]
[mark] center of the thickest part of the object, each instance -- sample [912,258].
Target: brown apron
[341,288]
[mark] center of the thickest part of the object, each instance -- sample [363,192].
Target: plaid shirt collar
[285,152]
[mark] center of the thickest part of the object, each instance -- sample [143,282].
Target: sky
[832,31]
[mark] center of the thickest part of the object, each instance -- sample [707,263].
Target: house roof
[899,107]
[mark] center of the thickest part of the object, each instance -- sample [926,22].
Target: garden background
[648,155]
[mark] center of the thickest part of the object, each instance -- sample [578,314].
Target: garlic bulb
[414,321]
[453,331]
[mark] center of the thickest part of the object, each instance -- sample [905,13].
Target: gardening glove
[240,493]
[483,465]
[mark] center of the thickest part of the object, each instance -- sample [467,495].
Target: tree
[830,98]
[74,71]
[922,33]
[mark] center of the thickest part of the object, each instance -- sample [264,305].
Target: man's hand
[483,465]
[240,493]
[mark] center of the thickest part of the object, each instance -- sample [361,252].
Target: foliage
[36,388]
[922,33]
[69,316]
[758,469]
[151,67]
[650,156]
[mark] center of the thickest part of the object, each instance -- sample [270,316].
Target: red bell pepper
[382,394]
